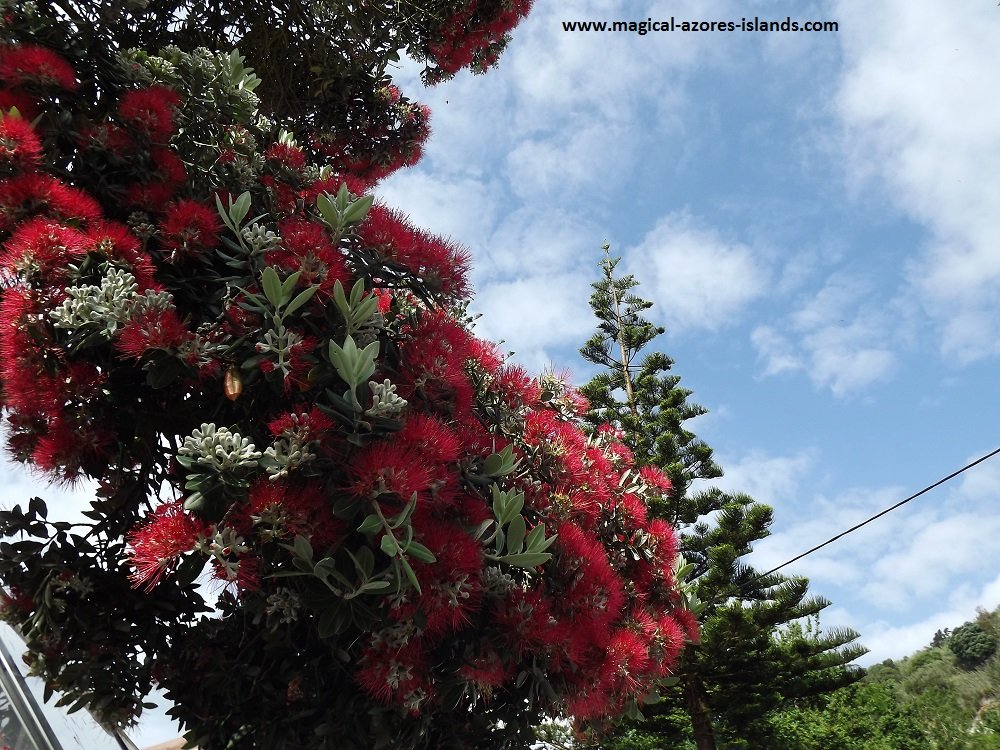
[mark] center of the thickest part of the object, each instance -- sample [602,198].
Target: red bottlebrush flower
[242,573]
[44,245]
[395,674]
[151,111]
[20,147]
[190,229]
[116,242]
[285,509]
[153,329]
[150,196]
[158,544]
[664,540]
[66,448]
[486,672]
[440,264]
[17,601]
[306,247]
[654,477]
[626,663]
[331,185]
[516,387]
[669,639]
[596,588]
[688,623]
[168,165]
[291,157]
[108,137]
[31,64]
[306,425]
[384,468]
[19,100]
[632,510]
[34,194]
[451,586]
[431,438]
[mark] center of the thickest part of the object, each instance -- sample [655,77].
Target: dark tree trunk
[696,699]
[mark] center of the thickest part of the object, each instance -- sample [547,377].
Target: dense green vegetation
[944,697]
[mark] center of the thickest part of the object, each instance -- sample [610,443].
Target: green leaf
[357,211]
[238,210]
[410,575]
[527,559]
[373,586]
[371,524]
[195,501]
[388,545]
[223,213]
[304,296]
[536,536]
[419,552]
[288,285]
[272,287]
[328,211]
[515,535]
[492,464]
[303,549]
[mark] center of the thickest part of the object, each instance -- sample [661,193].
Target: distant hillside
[944,697]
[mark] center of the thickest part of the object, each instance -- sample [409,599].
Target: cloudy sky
[815,216]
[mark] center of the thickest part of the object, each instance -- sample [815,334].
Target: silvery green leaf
[515,535]
[357,211]
[272,286]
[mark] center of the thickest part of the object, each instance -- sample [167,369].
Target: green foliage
[928,700]
[752,657]
[972,645]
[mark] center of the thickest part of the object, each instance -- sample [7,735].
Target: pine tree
[752,655]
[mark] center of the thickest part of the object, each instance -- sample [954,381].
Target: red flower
[19,145]
[34,194]
[153,329]
[31,64]
[168,166]
[384,468]
[45,245]
[151,111]
[431,438]
[306,248]
[116,242]
[158,544]
[291,157]
[285,509]
[190,229]
[441,265]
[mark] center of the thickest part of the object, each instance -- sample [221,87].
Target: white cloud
[459,207]
[535,314]
[699,279]
[887,641]
[773,480]
[918,105]
[777,351]
[838,335]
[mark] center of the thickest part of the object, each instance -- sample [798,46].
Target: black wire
[842,534]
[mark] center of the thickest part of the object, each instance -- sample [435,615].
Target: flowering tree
[327,515]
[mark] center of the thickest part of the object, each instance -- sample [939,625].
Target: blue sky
[814,216]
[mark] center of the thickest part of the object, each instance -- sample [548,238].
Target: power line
[842,534]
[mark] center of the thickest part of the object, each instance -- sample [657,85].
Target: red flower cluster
[475,35]
[150,111]
[31,65]
[373,449]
